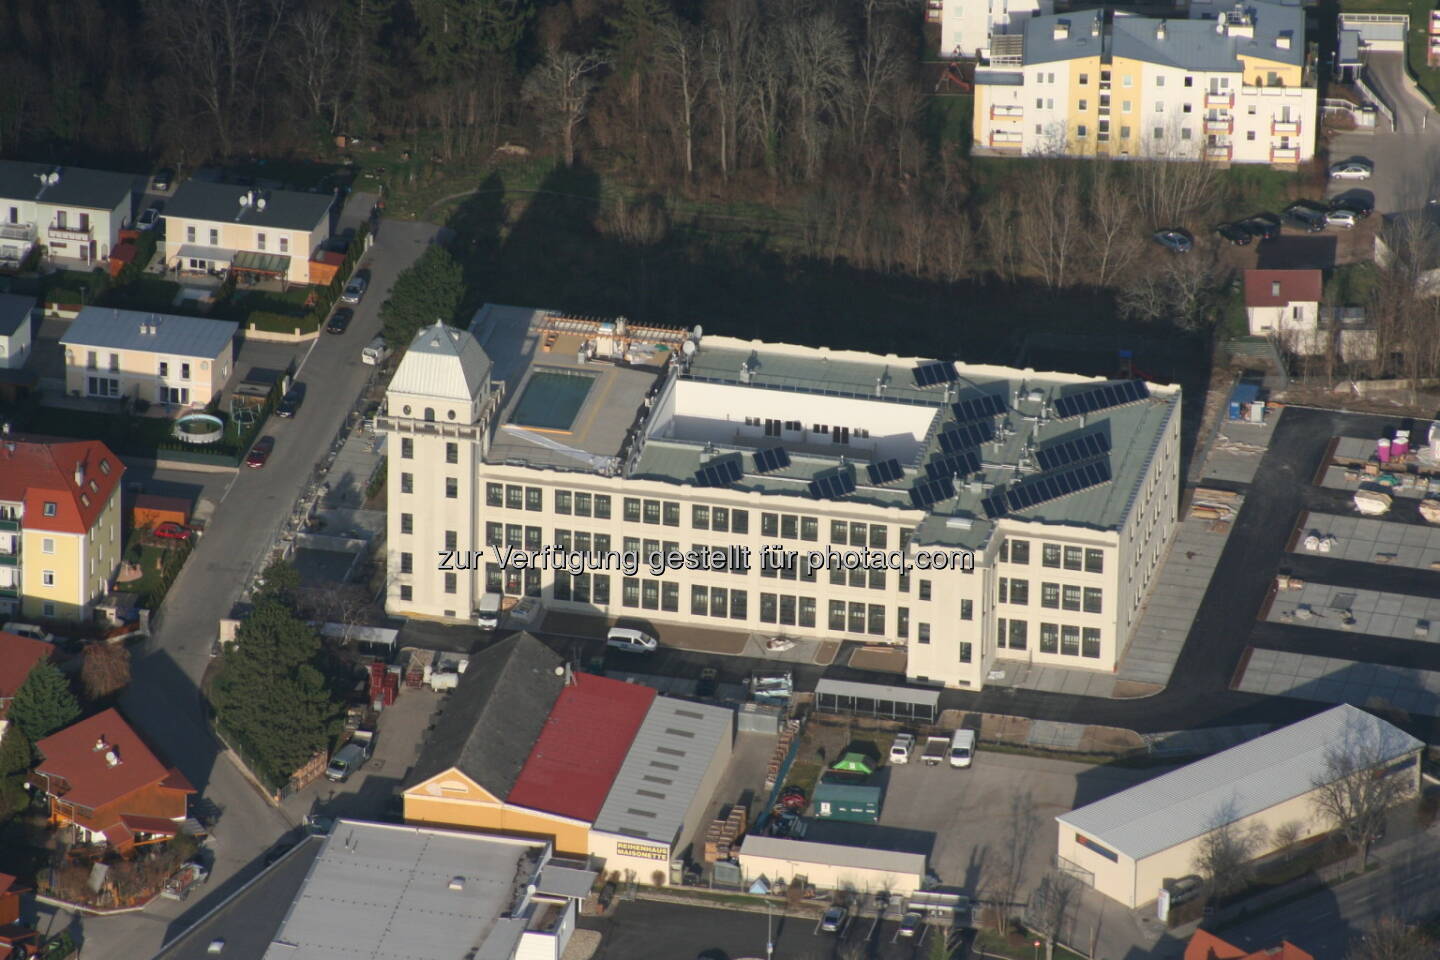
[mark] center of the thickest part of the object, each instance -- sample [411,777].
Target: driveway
[163,699]
[1406,170]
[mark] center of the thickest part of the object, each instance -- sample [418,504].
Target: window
[1187,108]
[1185,133]
[407,448]
[1004,585]
[1084,79]
[405,591]
[494,534]
[562,502]
[768,608]
[769,525]
[514,535]
[452,453]
[532,538]
[259,241]
[1125,80]
[967,609]
[1091,643]
[858,532]
[1001,632]
[839,531]
[720,519]
[650,594]
[672,514]
[514,497]
[1249,134]
[582,504]
[1160,81]
[924,589]
[809,529]
[1189,81]
[1159,133]
[190,234]
[807,611]
[184,371]
[739,521]
[1124,133]
[1049,638]
[1039,103]
[1019,592]
[922,633]
[407,562]
[739,601]
[1080,130]
[1092,600]
[1073,557]
[451,539]
[787,610]
[789,526]
[452,488]
[1082,105]
[669,596]
[1050,555]
[652,512]
[494,495]
[1018,631]
[407,523]
[1250,110]
[1159,108]
[284,244]
[1094,561]
[855,622]
[1050,596]
[534,498]
[214,237]
[878,536]
[966,651]
[602,506]
[700,517]
[407,483]
[1070,641]
[47,545]
[1019,551]
[632,510]
[1070,597]
[875,619]
[902,622]
[718,597]
[450,582]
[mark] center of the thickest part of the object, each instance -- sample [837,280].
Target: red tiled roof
[157,825]
[1296,286]
[39,473]
[1206,946]
[580,749]
[118,835]
[71,756]
[18,656]
[175,780]
[6,882]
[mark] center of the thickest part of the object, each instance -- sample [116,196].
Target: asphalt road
[163,698]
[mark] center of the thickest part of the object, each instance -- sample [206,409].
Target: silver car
[355,290]
[1351,170]
[1345,219]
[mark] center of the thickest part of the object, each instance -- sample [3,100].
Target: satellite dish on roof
[560,671]
[245,199]
[698,332]
[54,177]
[260,204]
[689,348]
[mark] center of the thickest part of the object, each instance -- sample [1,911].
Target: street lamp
[769,934]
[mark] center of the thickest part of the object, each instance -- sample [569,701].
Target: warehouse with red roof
[525,746]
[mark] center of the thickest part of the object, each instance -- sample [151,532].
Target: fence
[1375,99]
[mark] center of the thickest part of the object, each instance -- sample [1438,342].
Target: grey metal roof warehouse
[164,333]
[1242,781]
[833,854]
[675,746]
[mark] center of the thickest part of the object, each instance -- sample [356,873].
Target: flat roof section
[833,854]
[552,399]
[1365,613]
[1234,784]
[1367,540]
[1277,673]
[662,772]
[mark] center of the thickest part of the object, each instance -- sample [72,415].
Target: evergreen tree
[44,703]
[279,581]
[427,291]
[16,757]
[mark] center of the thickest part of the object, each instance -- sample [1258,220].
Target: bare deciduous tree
[1391,939]
[680,55]
[106,670]
[1178,288]
[1226,851]
[1051,225]
[314,58]
[818,56]
[723,56]
[1352,793]
[560,86]
[1110,233]
[1052,908]
[1021,825]
[880,66]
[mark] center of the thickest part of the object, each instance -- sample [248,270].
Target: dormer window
[50,508]
[105,467]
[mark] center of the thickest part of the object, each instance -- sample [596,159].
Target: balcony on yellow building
[1006,138]
[1284,154]
[1218,152]
[1288,128]
[1224,125]
[1219,100]
[1007,112]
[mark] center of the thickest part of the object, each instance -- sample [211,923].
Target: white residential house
[254,233]
[966,26]
[1284,305]
[74,213]
[15,330]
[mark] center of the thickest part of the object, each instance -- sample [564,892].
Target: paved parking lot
[968,810]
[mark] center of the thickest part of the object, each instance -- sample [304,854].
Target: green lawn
[988,943]
[278,311]
[147,293]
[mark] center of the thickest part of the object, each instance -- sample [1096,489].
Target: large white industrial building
[1048,498]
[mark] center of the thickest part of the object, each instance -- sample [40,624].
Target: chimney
[80,473]
[1274,288]
[1282,41]
[1160,30]
[100,743]
[1095,27]
[1062,30]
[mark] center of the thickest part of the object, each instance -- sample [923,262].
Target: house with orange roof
[1204,945]
[105,784]
[18,656]
[59,526]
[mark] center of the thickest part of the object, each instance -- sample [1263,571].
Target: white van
[962,748]
[375,352]
[487,614]
[630,641]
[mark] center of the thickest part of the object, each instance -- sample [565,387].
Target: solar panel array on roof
[966,435]
[886,471]
[1102,397]
[931,491]
[833,485]
[1045,487]
[771,458]
[940,371]
[978,408]
[1072,451]
[960,464]
[720,472]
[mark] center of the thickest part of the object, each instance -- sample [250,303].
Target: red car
[173,531]
[260,452]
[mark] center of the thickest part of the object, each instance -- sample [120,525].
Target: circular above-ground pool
[199,428]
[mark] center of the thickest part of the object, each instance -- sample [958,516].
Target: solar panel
[953,465]
[994,507]
[832,486]
[770,459]
[927,492]
[1073,450]
[720,472]
[886,471]
[978,408]
[1115,394]
[1041,489]
[963,436]
[939,371]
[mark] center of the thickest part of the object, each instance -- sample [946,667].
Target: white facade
[76,214]
[1060,584]
[15,330]
[966,26]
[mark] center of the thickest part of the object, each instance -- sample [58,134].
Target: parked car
[260,452]
[911,923]
[962,748]
[149,218]
[1304,215]
[1361,206]
[1235,233]
[1174,239]
[833,920]
[375,353]
[27,630]
[1262,226]
[346,761]
[163,179]
[170,530]
[901,748]
[290,404]
[339,320]
[1345,219]
[630,640]
[355,289]
[1185,889]
[1352,170]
